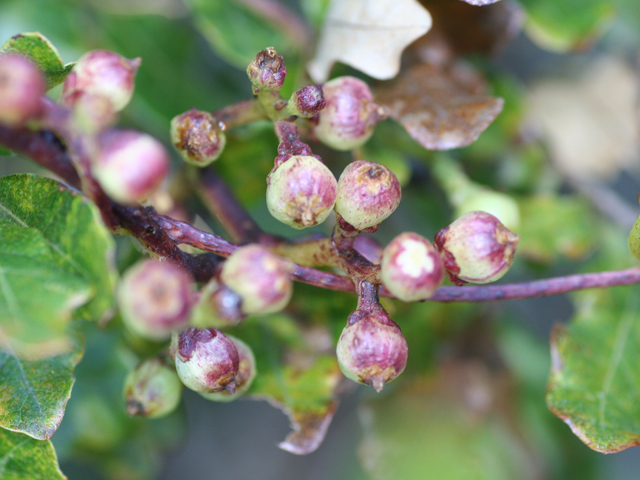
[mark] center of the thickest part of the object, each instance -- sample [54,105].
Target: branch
[160,235]
[219,200]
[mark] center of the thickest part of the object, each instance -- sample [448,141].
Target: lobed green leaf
[53,244]
[41,51]
[35,391]
[23,458]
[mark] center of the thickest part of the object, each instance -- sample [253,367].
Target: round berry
[411,267]
[476,248]
[130,166]
[301,191]
[246,373]
[206,360]
[349,117]
[152,389]
[198,137]
[155,298]
[367,194]
[372,349]
[101,73]
[261,278]
[21,86]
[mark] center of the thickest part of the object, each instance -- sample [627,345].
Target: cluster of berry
[158,300]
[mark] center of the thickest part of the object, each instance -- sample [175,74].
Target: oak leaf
[440,108]
[368,35]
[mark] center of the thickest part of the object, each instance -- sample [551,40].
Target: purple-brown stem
[240,113]
[220,201]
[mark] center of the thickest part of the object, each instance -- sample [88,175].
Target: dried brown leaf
[309,430]
[369,35]
[440,108]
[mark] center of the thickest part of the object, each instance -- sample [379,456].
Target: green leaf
[53,244]
[235,32]
[35,391]
[554,226]
[303,389]
[41,51]
[566,25]
[593,384]
[23,458]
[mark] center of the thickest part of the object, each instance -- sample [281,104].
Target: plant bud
[411,267]
[246,373]
[217,307]
[260,278]
[129,165]
[101,73]
[21,86]
[206,360]
[301,191]
[367,194]
[476,248]
[267,71]
[372,349]
[155,298]
[152,389]
[349,117]
[198,137]
[307,101]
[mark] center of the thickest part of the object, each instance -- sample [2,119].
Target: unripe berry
[21,86]
[130,166]
[411,267]
[198,137]
[246,373]
[301,191]
[101,73]
[206,360]
[349,117]
[217,307]
[372,349]
[267,71]
[155,298]
[476,248]
[260,278]
[307,101]
[367,194]
[152,389]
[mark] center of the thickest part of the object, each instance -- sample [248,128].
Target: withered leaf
[369,35]
[440,108]
[309,430]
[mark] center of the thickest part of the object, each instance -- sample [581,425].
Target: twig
[221,202]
